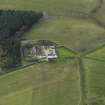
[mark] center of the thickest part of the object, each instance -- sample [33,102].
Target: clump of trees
[12,25]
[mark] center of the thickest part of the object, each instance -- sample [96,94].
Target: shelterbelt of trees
[12,25]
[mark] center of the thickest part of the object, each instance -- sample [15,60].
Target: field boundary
[82,80]
[95,59]
[94,50]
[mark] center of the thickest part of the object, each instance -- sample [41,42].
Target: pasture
[51,86]
[78,34]
[97,54]
[62,7]
[100,12]
[59,83]
[94,81]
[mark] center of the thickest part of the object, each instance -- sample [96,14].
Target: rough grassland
[98,54]
[50,86]
[53,7]
[78,34]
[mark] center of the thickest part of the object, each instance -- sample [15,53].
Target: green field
[79,34]
[42,87]
[98,54]
[69,82]
[95,71]
[23,97]
[62,7]
[100,13]
[64,53]
[94,68]
[94,80]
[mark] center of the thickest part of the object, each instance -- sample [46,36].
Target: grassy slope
[54,81]
[78,34]
[62,7]
[100,14]
[57,29]
[61,90]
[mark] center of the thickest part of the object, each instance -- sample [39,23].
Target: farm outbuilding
[44,52]
[40,50]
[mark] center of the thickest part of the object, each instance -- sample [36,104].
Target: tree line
[12,25]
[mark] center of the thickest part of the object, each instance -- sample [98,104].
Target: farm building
[44,52]
[40,50]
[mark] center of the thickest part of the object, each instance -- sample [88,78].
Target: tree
[12,25]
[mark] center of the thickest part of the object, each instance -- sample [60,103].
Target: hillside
[77,25]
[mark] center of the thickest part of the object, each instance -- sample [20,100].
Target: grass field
[94,63]
[98,54]
[94,80]
[100,13]
[62,7]
[95,71]
[59,83]
[64,53]
[79,34]
[42,87]
[23,97]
